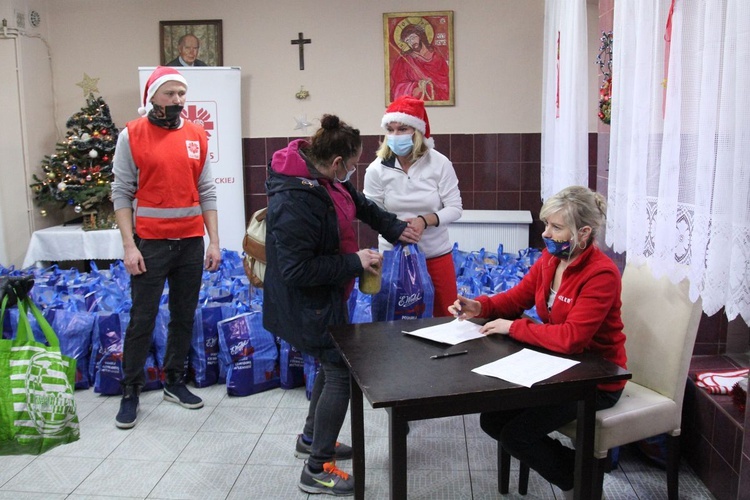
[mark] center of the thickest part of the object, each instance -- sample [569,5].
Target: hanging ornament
[104,158]
[43,213]
[51,175]
[88,178]
[93,153]
[103,131]
[96,133]
[604,60]
[85,137]
[78,209]
[61,186]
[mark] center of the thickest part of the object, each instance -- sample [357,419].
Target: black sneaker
[341,452]
[330,481]
[128,413]
[178,393]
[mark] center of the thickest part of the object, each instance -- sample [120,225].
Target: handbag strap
[24,327]
[2,312]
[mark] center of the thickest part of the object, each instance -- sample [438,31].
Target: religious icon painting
[419,56]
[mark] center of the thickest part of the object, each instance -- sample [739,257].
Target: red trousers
[443,276]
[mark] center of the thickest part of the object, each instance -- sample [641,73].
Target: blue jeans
[524,434]
[328,405]
[180,263]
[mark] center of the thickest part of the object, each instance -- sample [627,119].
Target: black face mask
[165,117]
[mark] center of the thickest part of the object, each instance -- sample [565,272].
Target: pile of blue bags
[90,313]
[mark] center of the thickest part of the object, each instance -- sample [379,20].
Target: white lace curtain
[565,97]
[679,179]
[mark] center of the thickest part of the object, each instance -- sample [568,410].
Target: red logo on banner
[199,117]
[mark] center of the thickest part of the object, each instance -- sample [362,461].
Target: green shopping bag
[37,407]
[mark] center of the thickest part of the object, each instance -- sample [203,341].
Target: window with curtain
[679,179]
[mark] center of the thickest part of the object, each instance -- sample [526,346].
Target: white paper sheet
[452,333]
[526,367]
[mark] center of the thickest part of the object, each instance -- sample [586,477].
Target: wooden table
[394,371]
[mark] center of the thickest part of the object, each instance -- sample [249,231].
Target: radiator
[486,229]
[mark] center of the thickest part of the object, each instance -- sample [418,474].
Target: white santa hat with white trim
[409,111]
[159,77]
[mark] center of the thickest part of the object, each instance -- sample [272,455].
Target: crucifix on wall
[301,41]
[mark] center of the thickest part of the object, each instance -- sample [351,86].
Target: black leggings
[524,434]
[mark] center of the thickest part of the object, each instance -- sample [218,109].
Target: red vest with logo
[169,165]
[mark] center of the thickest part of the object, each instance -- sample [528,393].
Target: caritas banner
[213,101]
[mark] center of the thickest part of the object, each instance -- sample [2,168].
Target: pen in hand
[447,354]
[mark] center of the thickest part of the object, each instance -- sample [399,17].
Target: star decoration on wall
[302,123]
[89,85]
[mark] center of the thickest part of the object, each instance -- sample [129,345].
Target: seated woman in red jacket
[576,290]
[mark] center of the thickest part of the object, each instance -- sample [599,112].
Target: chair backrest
[661,324]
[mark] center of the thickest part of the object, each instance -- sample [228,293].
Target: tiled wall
[495,172]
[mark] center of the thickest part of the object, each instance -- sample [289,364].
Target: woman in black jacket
[312,260]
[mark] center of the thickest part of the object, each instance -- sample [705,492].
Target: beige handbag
[254,245]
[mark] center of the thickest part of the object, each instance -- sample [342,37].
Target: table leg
[358,440]
[397,447]
[585,431]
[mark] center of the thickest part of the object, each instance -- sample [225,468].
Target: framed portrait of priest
[190,43]
[419,56]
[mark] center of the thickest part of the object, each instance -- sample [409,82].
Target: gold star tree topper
[89,85]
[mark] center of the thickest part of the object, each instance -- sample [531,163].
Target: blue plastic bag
[250,354]
[407,291]
[312,367]
[291,366]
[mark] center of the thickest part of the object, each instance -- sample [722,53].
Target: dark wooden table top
[395,369]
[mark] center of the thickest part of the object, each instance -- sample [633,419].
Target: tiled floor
[243,448]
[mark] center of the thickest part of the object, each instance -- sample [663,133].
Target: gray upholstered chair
[661,324]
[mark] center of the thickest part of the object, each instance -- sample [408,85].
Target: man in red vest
[163,195]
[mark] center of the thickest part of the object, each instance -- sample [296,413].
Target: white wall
[27,130]
[498,72]
[498,65]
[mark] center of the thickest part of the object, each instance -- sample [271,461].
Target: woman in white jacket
[417,183]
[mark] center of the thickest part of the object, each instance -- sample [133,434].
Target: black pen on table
[447,354]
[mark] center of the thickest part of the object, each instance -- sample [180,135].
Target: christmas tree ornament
[43,213]
[93,153]
[78,209]
[88,177]
[62,186]
[85,137]
[88,84]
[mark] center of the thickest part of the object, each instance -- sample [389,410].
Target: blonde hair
[579,207]
[419,149]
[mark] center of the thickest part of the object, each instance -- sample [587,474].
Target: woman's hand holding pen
[464,308]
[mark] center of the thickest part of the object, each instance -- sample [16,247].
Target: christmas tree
[80,173]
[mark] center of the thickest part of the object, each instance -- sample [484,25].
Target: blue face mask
[348,175]
[560,249]
[401,144]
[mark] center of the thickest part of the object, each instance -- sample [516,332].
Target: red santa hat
[409,111]
[159,77]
